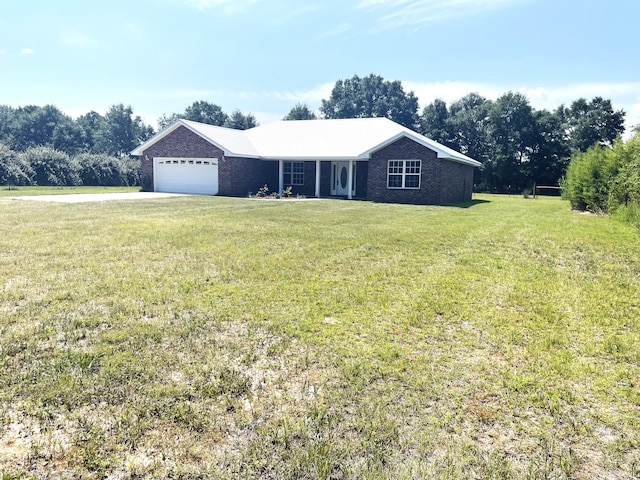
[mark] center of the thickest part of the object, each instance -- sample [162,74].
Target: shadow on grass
[469,204]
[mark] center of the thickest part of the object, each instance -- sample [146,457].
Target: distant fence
[537,188]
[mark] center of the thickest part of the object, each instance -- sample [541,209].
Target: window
[293,173]
[403,173]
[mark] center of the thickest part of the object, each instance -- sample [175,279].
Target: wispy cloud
[228,6]
[336,31]
[312,96]
[76,39]
[402,13]
[295,13]
[27,51]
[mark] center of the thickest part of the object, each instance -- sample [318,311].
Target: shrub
[51,166]
[108,171]
[588,178]
[14,171]
[98,169]
[625,188]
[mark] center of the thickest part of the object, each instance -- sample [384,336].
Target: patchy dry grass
[200,337]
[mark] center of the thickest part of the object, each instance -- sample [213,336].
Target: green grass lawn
[22,191]
[207,337]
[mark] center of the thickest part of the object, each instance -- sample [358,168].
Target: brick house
[366,158]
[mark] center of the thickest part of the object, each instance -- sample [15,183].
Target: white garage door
[186,175]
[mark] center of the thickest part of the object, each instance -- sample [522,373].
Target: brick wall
[404,148]
[238,176]
[456,182]
[182,142]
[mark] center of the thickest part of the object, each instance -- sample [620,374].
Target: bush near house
[46,166]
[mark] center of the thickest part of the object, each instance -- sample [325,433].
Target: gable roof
[341,139]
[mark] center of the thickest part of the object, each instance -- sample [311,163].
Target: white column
[280,176]
[317,178]
[350,180]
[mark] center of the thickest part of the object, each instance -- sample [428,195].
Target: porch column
[350,181]
[317,178]
[280,176]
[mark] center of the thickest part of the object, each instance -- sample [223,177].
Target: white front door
[340,179]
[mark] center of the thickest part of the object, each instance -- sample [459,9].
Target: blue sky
[263,56]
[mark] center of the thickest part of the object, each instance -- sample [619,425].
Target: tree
[6,116]
[594,122]
[121,132]
[240,121]
[468,125]
[300,111]
[434,122]
[205,112]
[165,120]
[513,133]
[32,125]
[372,96]
[89,124]
[550,153]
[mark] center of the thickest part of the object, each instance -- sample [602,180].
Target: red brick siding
[180,143]
[456,182]
[404,148]
[238,176]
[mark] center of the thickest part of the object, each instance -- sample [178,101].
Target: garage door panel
[199,176]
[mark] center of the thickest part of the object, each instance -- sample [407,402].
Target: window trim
[403,173]
[291,175]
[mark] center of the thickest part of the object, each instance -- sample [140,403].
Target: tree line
[44,146]
[517,144]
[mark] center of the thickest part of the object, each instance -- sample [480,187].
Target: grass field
[205,337]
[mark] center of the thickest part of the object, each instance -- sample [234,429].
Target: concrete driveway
[96,197]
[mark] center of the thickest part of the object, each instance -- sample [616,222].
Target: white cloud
[229,6]
[312,96]
[76,39]
[336,31]
[403,13]
[27,51]
[3,52]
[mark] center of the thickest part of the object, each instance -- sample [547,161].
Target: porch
[324,178]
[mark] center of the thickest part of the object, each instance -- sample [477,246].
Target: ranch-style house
[364,158]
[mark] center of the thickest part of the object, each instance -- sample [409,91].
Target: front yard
[198,337]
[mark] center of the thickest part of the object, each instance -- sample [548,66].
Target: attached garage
[186,175]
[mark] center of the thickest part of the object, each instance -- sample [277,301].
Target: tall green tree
[434,122]
[6,117]
[372,96]
[90,125]
[594,122]
[121,132]
[240,121]
[513,132]
[205,112]
[468,125]
[550,155]
[300,111]
[33,125]
[165,120]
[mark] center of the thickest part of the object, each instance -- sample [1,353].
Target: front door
[340,179]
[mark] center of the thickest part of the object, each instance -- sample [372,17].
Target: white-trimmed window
[293,173]
[404,174]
